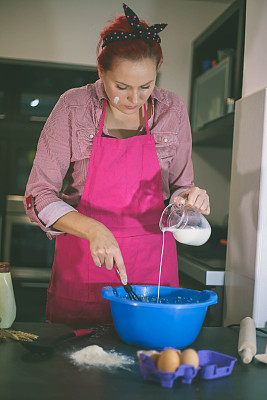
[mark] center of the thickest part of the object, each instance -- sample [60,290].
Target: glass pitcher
[187,225]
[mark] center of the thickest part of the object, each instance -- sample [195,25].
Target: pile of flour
[95,356]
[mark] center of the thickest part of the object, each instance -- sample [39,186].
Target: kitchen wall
[255,57]
[67,31]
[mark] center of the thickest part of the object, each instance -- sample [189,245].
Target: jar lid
[4,267]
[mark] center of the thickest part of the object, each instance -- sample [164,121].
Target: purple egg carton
[212,365]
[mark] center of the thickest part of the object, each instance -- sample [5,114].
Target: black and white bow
[137,32]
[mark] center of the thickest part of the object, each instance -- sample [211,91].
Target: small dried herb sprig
[8,334]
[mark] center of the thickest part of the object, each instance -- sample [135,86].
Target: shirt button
[91,136]
[165,140]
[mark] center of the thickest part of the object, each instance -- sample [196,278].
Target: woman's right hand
[103,245]
[105,249]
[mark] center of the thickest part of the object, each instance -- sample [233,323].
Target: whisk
[128,288]
[131,293]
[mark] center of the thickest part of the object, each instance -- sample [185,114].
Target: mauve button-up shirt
[66,141]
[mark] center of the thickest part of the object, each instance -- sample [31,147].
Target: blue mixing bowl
[175,321]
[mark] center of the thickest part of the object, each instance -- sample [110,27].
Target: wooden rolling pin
[247,344]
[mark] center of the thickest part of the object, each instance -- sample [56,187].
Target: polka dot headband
[138,33]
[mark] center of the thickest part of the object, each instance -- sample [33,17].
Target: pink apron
[123,190]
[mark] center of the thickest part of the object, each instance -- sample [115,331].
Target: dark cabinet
[28,93]
[216,77]
[30,90]
[19,140]
[22,154]
[3,180]
[30,301]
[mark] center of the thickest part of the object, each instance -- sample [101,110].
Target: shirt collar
[100,90]
[160,95]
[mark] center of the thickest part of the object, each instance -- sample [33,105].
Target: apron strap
[146,122]
[102,119]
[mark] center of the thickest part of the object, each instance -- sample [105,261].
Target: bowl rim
[109,293]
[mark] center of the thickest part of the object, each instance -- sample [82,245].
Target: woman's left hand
[195,197]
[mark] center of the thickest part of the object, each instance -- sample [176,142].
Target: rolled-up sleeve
[50,166]
[181,174]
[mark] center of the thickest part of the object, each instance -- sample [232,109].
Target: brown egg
[190,357]
[168,360]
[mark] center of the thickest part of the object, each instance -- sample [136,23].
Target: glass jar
[187,225]
[7,299]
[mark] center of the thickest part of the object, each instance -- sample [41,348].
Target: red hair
[131,49]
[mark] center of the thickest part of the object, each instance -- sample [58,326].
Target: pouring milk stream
[187,225]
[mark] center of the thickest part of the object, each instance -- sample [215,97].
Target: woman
[123,147]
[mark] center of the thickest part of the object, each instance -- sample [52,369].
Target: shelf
[226,32]
[218,132]
[31,275]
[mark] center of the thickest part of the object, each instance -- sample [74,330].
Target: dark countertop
[56,377]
